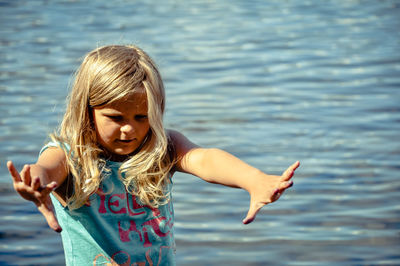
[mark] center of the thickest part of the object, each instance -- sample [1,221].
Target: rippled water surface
[269,81]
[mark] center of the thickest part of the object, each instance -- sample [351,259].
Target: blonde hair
[108,74]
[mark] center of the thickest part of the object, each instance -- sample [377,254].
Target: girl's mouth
[126,140]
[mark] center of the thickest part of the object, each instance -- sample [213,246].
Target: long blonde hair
[108,74]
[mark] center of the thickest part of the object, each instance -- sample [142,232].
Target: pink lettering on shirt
[135,205]
[102,207]
[124,234]
[114,201]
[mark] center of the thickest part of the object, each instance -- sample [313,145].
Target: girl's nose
[127,128]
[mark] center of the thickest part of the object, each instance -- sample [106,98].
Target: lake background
[269,81]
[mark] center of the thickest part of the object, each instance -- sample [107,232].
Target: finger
[48,212]
[252,213]
[278,192]
[26,175]
[36,183]
[285,185]
[51,220]
[290,171]
[295,166]
[49,188]
[277,196]
[13,172]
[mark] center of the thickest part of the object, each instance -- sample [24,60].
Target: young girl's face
[122,126]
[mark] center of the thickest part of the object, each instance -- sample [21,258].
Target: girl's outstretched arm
[217,166]
[36,182]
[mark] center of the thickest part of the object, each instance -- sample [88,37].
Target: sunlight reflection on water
[269,82]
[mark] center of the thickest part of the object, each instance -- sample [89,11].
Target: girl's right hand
[31,189]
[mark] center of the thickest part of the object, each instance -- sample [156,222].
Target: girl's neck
[115,157]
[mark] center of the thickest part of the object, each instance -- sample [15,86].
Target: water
[269,81]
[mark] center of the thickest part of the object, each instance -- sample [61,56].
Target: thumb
[47,210]
[253,210]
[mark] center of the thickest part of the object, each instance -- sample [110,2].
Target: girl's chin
[118,155]
[124,152]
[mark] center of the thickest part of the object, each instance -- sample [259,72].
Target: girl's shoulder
[179,141]
[181,146]
[51,154]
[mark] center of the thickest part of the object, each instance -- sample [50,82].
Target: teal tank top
[114,228]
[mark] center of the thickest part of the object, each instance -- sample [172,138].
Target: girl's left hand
[267,190]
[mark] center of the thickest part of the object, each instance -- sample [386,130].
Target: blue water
[269,81]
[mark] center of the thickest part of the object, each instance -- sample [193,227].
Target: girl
[106,175]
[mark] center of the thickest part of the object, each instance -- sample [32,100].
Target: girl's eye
[115,117]
[140,117]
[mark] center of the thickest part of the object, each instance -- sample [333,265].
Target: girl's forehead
[137,99]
